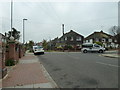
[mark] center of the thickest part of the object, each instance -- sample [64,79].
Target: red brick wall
[7,55]
[12,51]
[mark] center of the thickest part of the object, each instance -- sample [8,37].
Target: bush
[99,43]
[10,62]
[68,47]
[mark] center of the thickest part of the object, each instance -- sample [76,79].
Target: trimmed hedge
[10,62]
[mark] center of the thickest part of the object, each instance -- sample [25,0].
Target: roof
[100,34]
[73,32]
[1,34]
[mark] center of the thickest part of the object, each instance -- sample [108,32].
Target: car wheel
[100,51]
[85,51]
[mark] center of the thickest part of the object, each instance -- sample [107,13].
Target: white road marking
[107,64]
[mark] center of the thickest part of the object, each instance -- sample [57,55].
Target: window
[39,47]
[91,40]
[110,40]
[87,41]
[65,38]
[78,39]
[62,39]
[96,45]
[115,40]
[97,40]
[71,39]
[103,40]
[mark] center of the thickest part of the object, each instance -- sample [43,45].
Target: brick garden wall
[14,52]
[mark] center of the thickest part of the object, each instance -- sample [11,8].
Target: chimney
[101,31]
[63,29]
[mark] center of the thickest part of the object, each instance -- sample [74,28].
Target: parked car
[38,50]
[91,47]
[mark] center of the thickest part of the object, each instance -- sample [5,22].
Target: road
[79,70]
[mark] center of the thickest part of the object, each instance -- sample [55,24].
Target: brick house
[3,69]
[53,43]
[107,39]
[116,39]
[70,38]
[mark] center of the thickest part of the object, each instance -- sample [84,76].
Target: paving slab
[24,74]
[28,73]
[41,85]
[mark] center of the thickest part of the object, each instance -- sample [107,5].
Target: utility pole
[24,30]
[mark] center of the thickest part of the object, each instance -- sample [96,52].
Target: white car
[38,50]
[90,47]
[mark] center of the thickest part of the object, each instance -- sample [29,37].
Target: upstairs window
[78,39]
[115,40]
[71,39]
[110,40]
[65,38]
[103,40]
[97,40]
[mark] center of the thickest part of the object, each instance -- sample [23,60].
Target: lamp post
[24,30]
[11,37]
[11,14]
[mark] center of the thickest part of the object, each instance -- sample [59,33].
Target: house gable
[99,35]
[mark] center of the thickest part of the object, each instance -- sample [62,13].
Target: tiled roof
[71,31]
[100,34]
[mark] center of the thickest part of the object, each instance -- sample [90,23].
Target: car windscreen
[96,45]
[35,48]
[39,47]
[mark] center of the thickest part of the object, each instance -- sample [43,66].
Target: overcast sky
[45,18]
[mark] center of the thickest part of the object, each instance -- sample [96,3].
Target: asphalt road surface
[79,70]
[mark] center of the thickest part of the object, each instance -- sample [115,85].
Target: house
[116,39]
[3,69]
[53,43]
[106,39]
[72,39]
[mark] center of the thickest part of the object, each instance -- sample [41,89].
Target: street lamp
[11,14]
[11,37]
[24,30]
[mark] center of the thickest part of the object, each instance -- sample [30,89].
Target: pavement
[28,73]
[111,54]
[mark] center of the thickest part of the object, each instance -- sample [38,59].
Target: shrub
[10,62]
[68,47]
[99,43]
